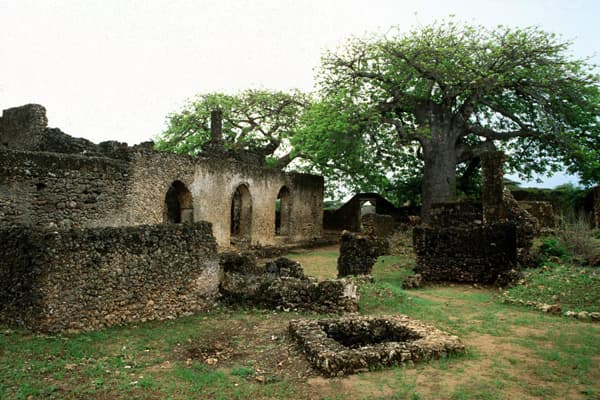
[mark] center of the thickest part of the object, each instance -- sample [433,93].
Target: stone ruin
[476,242]
[281,284]
[94,235]
[72,183]
[356,344]
[358,253]
[350,215]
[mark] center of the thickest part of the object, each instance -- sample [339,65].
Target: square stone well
[348,345]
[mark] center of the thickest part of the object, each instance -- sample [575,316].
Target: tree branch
[495,135]
[466,153]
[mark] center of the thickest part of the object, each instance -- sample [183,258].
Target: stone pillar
[492,167]
[216,128]
[23,127]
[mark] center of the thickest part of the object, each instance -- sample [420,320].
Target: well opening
[366,333]
[354,344]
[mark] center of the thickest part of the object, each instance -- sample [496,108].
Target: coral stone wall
[91,278]
[378,225]
[465,254]
[466,212]
[542,211]
[64,190]
[67,190]
[23,127]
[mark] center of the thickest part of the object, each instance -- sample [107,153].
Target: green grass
[574,288]
[512,351]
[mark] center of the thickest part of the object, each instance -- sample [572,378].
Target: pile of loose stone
[281,284]
[355,344]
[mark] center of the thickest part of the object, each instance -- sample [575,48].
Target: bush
[577,239]
[551,247]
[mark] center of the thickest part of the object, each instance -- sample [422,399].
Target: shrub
[576,237]
[551,247]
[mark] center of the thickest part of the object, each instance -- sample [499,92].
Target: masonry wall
[542,211]
[66,190]
[453,213]
[96,277]
[465,254]
[60,190]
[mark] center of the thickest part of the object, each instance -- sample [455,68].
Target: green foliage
[551,247]
[566,199]
[261,121]
[576,237]
[391,105]
[574,288]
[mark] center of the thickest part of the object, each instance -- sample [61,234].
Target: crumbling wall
[25,128]
[464,213]
[60,190]
[492,191]
[281,285]
[378,225]
[80,184]
[540,210]
[348,216]
[465,254]
[91,278]
[358,253]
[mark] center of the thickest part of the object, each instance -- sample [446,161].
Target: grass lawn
[513,352]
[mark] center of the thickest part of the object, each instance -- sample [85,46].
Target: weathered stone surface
[378,225]
[92,278]
[355,344]
[284,267]
[358,253]
[456,213]
[244,262]
[76,184]
[349,215]
[465,254]
[542,211]
[281,285]
[413,282]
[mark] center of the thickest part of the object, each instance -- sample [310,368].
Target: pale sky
[113,69]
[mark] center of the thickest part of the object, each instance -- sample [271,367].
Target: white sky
[113,69]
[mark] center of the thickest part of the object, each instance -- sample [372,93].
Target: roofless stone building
[93,235]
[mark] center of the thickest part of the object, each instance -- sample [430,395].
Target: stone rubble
[355,344]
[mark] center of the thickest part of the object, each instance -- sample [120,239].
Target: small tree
[260,121]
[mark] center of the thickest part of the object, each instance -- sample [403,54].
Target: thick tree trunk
[439,174]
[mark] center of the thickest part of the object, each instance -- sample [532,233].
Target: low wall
[87,279]
[281,284]
[465,254]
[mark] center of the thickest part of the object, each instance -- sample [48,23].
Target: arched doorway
[283,208]
[241,214]
[179,206]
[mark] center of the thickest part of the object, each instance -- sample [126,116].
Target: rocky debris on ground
[355,344]
[281,284]
[413,282]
